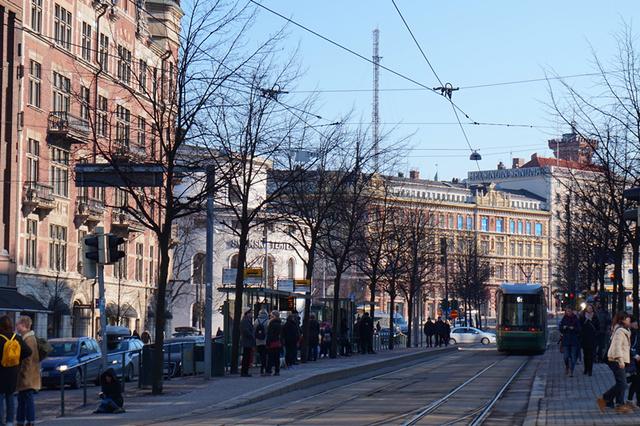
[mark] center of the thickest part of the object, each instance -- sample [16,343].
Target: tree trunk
[372,302]
[304,350]
[161,308]
[335,317]
[410,321]
[392,311]
[237,303]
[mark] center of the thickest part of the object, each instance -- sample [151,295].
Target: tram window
[521,311]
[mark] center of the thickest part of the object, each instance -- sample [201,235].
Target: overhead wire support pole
[375,110]
[208,306]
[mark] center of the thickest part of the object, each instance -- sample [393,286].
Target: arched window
[291,268]
[198,269]
[233,261]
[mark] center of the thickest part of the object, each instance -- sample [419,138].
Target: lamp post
[633,194]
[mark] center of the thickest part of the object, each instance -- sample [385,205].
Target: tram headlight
[583,305]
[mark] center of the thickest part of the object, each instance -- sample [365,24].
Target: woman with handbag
[274,343]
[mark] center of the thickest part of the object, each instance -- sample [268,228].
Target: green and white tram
[522,318]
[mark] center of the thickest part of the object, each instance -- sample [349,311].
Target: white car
[471,335]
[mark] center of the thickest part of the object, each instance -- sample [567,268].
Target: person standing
[345,346]
[248,342]
[12,351]
[356,335]
[260,333]
[291,333]
[314,337]
[29,381]
[429,330]
[325,342]
[604,327]
[439,332]
[588,334]
[570,331]
[274,343]
[618,358]
[366,333]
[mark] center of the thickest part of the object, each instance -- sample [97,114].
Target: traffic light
[93,254]
[113,253]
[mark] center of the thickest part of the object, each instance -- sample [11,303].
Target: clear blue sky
[468,43]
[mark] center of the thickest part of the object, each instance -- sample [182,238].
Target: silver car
[471,335]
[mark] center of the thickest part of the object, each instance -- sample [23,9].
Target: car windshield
[64,349]
[521,310]
[118,346]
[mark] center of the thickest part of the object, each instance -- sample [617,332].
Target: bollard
[122,373]
[61,393]
[84,384]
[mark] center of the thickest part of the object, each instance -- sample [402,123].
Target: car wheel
[452,341]
[484,341]
[129,374]
[77,379]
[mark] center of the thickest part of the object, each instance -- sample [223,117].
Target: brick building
[83,72]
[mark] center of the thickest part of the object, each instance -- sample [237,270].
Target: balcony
[37,196]
[62,125]
[89,210]
[123,223]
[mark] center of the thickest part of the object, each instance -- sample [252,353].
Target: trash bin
[147,363]
[217,357]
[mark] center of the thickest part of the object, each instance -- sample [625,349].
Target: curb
[538,390]
[321,378]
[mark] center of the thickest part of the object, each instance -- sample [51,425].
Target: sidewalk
[192,395]
[561,400]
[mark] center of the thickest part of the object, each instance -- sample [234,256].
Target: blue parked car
[67,353]
[131,357]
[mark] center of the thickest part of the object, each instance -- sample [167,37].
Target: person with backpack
[13,351]
[260,332]
[29,375]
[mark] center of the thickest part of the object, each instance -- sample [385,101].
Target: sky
[468,43]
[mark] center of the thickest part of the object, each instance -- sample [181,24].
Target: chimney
[414,174]
[501,166]
[517,163]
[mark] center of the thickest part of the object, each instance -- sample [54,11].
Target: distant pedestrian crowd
[592,336]
[438,333]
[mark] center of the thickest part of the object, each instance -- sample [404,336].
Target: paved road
[457,388]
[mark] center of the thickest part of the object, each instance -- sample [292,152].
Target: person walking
[366,333]
[357,336]
[378,327]
[439,332]
[260,333]
[588,335]
[314,337]
[345,347]
[248,342]
[633,377]
[291,334]
[570,332]
[618,358]
[447,333]
[29,381]
[12,351]
[325,343]
[429,330]
[602,338]
[274,343]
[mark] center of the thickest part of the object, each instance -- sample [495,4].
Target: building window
[36,16]
[121,198]
[35,83]
[33,160]
[538,229]
[498,272]
[62,27]
[101,119]
[528,250]
[31,249]
[460,222]
[139,261]
[528,228]
[124,64]
[469,223]
[81,235]
[142,129]
[499,248]
[538,274]
[142,76]
[520,249]
[86,41]
[512,248]
[151,266]
[519,227]
[484,247]
[57,247]
[59,171]
[537,250]
[103,52]
[120,268]
[85,96]
[450,220]
[291,268]
[61,92]
[123,125]
[512,227]
[499,225]
[484,224]
[441,222]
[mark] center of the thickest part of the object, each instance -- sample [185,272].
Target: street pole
[208,305]
[99,232]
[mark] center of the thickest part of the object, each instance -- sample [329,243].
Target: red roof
[548,162]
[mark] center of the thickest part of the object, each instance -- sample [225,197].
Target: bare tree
[470,274]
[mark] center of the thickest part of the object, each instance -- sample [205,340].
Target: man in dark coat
[570,331]
[589,326]
[447,333]
[274,343]
[291,336]
[9,375]
[112,401]
[429,331]
[314,337]
[366,333]
[439,332]
[247,341]
[357,336]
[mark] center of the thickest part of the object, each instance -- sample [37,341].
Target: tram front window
[521,311]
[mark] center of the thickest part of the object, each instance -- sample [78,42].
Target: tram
[522,318]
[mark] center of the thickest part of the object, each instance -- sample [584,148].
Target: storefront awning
[12,301]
